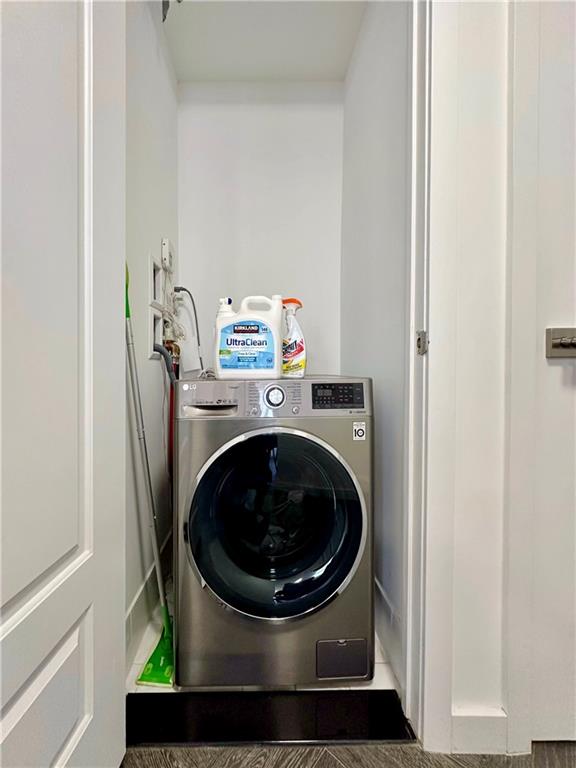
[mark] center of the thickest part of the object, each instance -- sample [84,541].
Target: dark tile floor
[544,755]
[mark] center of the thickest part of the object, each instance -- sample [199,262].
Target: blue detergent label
[248,345]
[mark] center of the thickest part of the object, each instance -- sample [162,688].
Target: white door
[500,528]
[62,570]
[541,574]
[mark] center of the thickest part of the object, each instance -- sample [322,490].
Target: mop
[159,668]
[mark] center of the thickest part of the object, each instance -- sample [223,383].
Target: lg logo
[359,430]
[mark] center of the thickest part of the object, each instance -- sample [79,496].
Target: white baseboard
[140,616]
[480,731]
[141,609]
[389,633]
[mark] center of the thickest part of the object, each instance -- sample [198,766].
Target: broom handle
[145,464]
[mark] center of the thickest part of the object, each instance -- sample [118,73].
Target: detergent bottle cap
[225,304]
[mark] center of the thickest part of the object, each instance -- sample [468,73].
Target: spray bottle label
[293,356]
[248,345]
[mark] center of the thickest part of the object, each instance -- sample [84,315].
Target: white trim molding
[479,731]
[463,696]
[389,629]
[521,368]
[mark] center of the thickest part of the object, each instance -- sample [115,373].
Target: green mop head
[159,669]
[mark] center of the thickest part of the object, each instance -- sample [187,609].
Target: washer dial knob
[275,396]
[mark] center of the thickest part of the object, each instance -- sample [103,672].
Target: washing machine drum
[276,525]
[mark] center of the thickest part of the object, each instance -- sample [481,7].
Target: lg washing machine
[273,532]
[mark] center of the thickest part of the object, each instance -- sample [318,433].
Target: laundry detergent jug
[249,342]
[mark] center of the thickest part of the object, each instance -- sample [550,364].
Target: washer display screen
[275,525]
[338,395]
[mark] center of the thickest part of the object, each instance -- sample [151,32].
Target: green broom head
[159,669]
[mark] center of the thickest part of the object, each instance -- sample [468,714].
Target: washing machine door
[277,524]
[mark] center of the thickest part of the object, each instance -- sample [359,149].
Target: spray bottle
[293,344]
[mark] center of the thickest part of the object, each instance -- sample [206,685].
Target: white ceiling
[294,40]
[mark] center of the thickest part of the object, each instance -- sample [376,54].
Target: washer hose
[182,289]
[167,359]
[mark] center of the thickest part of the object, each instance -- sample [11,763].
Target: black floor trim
[256,717]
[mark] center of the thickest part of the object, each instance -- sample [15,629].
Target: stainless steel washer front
[273,532]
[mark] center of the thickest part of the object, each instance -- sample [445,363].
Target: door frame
[417,369]
[448,722]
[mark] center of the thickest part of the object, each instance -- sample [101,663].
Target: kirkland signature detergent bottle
[293,344]
[249,342]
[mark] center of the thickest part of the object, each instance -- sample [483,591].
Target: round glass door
[276,525]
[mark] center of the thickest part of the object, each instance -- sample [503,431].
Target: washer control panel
[337,395]
[305,397]
[275,396]
[285,398]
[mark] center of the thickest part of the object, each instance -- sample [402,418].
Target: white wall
[152,211]
[260,176]
[375,262]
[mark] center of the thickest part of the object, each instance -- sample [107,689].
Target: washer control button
[296,409]
[275,396]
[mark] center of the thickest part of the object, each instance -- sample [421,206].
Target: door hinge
[422,342]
